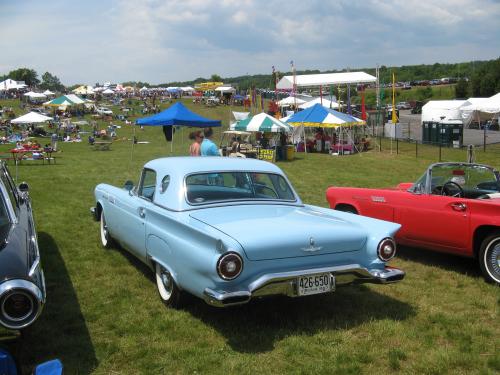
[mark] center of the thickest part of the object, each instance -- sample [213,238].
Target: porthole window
[164,184]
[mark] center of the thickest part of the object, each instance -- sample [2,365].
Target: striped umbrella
[319,116]
[262,123]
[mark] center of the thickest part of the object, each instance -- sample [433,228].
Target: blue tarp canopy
[178,115]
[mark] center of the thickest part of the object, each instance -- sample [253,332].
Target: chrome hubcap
[167,283]
[494,259]
[104,231]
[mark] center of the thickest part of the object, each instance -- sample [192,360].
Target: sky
[160,41]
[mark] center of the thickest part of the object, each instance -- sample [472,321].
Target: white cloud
[161,41]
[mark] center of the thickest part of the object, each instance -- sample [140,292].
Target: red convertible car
[453,208]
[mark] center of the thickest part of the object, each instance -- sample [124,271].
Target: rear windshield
[229,186]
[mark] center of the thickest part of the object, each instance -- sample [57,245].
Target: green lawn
[103,314]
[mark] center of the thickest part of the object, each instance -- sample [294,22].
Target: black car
[22,283]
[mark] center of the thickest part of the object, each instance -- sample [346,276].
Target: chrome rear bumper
[285,283]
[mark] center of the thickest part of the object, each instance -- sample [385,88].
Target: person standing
[195,147]
[208,147]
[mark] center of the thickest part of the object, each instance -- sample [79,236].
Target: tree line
[30,77]
[476,78]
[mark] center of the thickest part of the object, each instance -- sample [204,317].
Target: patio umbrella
[262,123]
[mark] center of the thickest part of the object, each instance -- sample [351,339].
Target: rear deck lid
[280,231]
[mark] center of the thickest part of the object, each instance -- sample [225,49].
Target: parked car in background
[452,208]
[22,283]
[104,111]
[228,230]
[403,105]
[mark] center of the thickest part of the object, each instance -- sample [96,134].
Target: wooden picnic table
[43,154]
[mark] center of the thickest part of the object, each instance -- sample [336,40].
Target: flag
[394,116]
[363,109]
[254,98]
[349,99]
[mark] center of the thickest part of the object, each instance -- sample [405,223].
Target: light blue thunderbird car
[230,229]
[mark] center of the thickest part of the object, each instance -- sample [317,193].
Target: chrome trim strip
[285,282]
[34,266]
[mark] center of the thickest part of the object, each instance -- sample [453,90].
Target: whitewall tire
[106,239]
[489,258]
[167,288]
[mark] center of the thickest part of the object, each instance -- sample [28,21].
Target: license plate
[315,284]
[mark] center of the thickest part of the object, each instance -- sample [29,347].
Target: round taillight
[386,249]
[18,306]
[229,266]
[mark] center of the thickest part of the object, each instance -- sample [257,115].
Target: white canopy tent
[35,95]
[31,118]
[324,102]
[492,105]
[481,109]
[325,79]
[48,93]
[445,111]
[240,115]
[226,89]
[84,90]
[108,92]
[10,84]
[187,89]
[290,101]
[467,109]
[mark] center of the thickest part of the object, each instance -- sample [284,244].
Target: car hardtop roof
[189,164]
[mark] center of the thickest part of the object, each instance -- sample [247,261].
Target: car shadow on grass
[60,331]
[258,325]
[448,262]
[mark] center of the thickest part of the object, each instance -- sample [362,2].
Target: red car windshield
[469,177]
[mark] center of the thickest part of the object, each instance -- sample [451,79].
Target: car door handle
[461,207]
[142,212]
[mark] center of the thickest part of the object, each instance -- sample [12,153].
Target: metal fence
[488,154]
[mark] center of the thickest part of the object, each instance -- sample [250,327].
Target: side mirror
[129,185]
[419,189]
[24,187]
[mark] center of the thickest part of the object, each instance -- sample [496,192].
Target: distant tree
[29,76]
[488,84]
[216,78]
[461,89]
[424,93]
[51,82]
[137,84]
[72,87]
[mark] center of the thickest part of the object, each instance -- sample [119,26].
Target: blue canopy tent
[177,115]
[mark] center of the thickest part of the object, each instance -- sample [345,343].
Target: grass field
[103,314]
